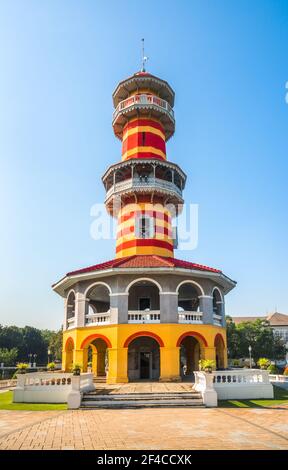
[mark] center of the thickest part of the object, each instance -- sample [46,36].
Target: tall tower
[144,190]
[144,314]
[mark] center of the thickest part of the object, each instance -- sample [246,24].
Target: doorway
[145,365]
[143,359]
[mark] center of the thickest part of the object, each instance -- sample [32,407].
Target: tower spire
[144,58]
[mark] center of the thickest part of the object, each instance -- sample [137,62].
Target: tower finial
[144,58]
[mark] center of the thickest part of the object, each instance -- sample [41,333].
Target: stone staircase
[94,400]
[100,379]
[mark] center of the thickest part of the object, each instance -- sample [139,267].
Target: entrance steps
[100,379]
[94,400]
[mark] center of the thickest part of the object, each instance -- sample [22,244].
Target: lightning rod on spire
[144,58]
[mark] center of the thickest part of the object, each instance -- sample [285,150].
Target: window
[144,227]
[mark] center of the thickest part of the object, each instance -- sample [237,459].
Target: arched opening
[69,346]
[189,303]
[98,357]
[70,309]
[143,359]
[144,302]
[217,302]
[190,354]
[219,351]
[191,351]
[97,305]
[95,354]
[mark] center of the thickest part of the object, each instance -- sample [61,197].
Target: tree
[233,340]
[256,334]
[11,336]
[8,356]
[29,340]
[53,341]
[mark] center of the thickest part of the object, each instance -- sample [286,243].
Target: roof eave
[61,286]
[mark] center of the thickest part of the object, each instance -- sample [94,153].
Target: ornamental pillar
[209,353]
[206,307]
[119,307]
[117,365]
[169,364]
[168,307]
[80,309]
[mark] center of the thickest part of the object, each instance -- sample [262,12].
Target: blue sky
[60,61]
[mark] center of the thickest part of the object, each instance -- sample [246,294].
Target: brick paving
[173,428]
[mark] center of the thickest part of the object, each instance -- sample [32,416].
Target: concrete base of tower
[133,352]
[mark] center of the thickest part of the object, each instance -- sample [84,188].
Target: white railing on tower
[217,319]
[144,100]
[71,322]
[137,316]
[190,317]
[98,318]
[143,183]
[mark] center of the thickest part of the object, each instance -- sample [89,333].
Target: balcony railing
[141,183]
[71,322]
[144,101]
[97,318]
[153,316]
[190,317]
[217,319]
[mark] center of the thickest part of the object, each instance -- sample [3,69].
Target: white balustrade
[217,319]
[204,385]
[137,316]
[143,183]
[144,101]
[242,384]
[8,383]
[51,387]
[278,378]
[190,317]
[71,322]
[97,318]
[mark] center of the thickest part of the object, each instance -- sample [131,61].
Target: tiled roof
[246,319]
[144,261]
[278,319]
[275,319]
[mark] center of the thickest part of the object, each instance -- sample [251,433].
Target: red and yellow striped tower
[144,190]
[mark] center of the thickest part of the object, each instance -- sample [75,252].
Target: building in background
[144,314]
[278,322]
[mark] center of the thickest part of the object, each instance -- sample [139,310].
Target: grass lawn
[6,404]
[280,398]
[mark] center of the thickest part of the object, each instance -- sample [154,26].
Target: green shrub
[76,369]
[263,363]
[207,365]
[22,367]
[51,366]
[273,369]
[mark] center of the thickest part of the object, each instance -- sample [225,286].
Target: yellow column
[117,365]
[209,353]
[94,361]
[78,357]
[225,358]
[169,364]
[85,359]
[64,359]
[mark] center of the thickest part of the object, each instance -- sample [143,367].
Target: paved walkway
[173,428]
[143,387]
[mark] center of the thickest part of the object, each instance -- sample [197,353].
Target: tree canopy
[29,340]
[256,334]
